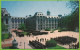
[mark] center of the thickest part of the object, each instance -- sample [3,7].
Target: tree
[4,27]
[73,5]
[74,16]
[31,23]
[22,27]
[51,43]
[71,21]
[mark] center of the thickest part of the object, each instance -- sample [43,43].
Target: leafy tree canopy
[22,27]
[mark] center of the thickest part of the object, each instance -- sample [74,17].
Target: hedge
[51,43]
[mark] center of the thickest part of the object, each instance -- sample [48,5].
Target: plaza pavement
[55,34]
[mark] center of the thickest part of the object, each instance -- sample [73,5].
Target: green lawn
[11,47]
[5,36]
[57,47]
[6,48]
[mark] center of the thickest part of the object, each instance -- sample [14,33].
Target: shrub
[62,29]
[53,30]
[51,43]
[47,29]
[59,29]
[6,36]
[25,33]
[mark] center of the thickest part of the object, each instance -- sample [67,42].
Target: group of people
[65,40]
[41,39]
[37,45]
[74,46]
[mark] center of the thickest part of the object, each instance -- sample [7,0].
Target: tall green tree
[22,27]
[73,5]
[74,16]
[3,27]
[71,21]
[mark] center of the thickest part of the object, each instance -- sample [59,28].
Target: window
[38,22]
[49,21]
[24,21]
[38,14]
[12,25]
[6,14]
[1,14]
[55,21]
[12,20]
[52,27]
[2,20]
[16,28]
[6,21]
[41,28]
[15,24]
[21,20]
[55,27]
[41,19]
[16,20]
[46,24]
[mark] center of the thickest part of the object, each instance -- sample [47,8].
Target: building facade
[6,18]
[41,22]
[11,22]
[37,22]
[16,21]
[44,22]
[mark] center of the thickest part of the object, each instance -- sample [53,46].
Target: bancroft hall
[37,22]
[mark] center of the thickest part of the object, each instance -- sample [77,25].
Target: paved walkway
[55,34]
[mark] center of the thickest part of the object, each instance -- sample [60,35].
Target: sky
[25,8]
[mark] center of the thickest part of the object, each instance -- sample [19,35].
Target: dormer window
[38,14]
[6,14]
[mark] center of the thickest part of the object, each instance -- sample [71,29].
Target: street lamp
[24,45]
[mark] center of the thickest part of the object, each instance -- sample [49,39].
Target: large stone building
[41,22]
[16,21]
[6,18]
[11,22]
[44,22]
[37,22]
